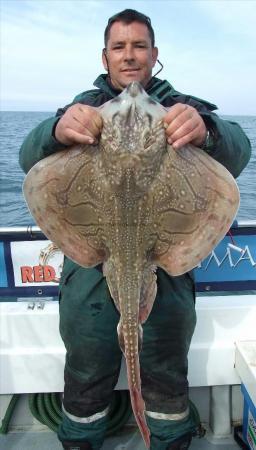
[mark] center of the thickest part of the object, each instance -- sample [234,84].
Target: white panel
[32,353]
[246,366]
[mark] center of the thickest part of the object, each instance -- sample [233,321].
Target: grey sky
[51,50]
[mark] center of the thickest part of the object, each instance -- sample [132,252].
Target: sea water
[15,126]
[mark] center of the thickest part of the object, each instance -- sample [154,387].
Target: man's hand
[81,124]
[184,125]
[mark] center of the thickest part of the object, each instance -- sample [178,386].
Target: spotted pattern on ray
[133,203]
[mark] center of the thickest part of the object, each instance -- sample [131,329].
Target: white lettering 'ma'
[218,261]
[246,255]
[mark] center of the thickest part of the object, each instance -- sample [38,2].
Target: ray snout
[132,104]
[134,89]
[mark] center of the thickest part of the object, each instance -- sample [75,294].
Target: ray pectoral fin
[195,207]
[58,194]
[79,247]
[178,251]
[80,236]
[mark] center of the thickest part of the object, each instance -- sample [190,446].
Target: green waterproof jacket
[231,146]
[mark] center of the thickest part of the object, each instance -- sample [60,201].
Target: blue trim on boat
[230,266]
[249,285]
[8,264]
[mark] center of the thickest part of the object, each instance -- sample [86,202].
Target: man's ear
[154,55]
[104,59]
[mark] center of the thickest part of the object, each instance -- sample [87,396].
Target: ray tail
[130,339]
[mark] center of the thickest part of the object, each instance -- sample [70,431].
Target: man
[88,318]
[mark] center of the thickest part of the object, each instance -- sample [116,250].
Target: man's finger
[187,128]
[97,119]
[94,116]
[79,138]
[184,117]
[185,139]
[85,124]
[80,128]
[174,112]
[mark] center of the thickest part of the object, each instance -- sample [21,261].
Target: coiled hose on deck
[8,414]
[46,408]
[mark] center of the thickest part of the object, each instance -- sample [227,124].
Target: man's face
[130,54]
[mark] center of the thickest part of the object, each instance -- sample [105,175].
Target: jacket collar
[158,90]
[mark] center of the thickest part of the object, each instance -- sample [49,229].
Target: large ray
[133,203]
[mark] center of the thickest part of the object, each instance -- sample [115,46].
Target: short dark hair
[128,16]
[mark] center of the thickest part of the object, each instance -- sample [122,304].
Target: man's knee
[87,395]
[165,391]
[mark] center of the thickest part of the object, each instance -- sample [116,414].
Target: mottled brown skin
[133,203]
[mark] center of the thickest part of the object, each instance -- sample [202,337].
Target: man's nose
[128,53]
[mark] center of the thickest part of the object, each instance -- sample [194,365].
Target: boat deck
[128,439]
